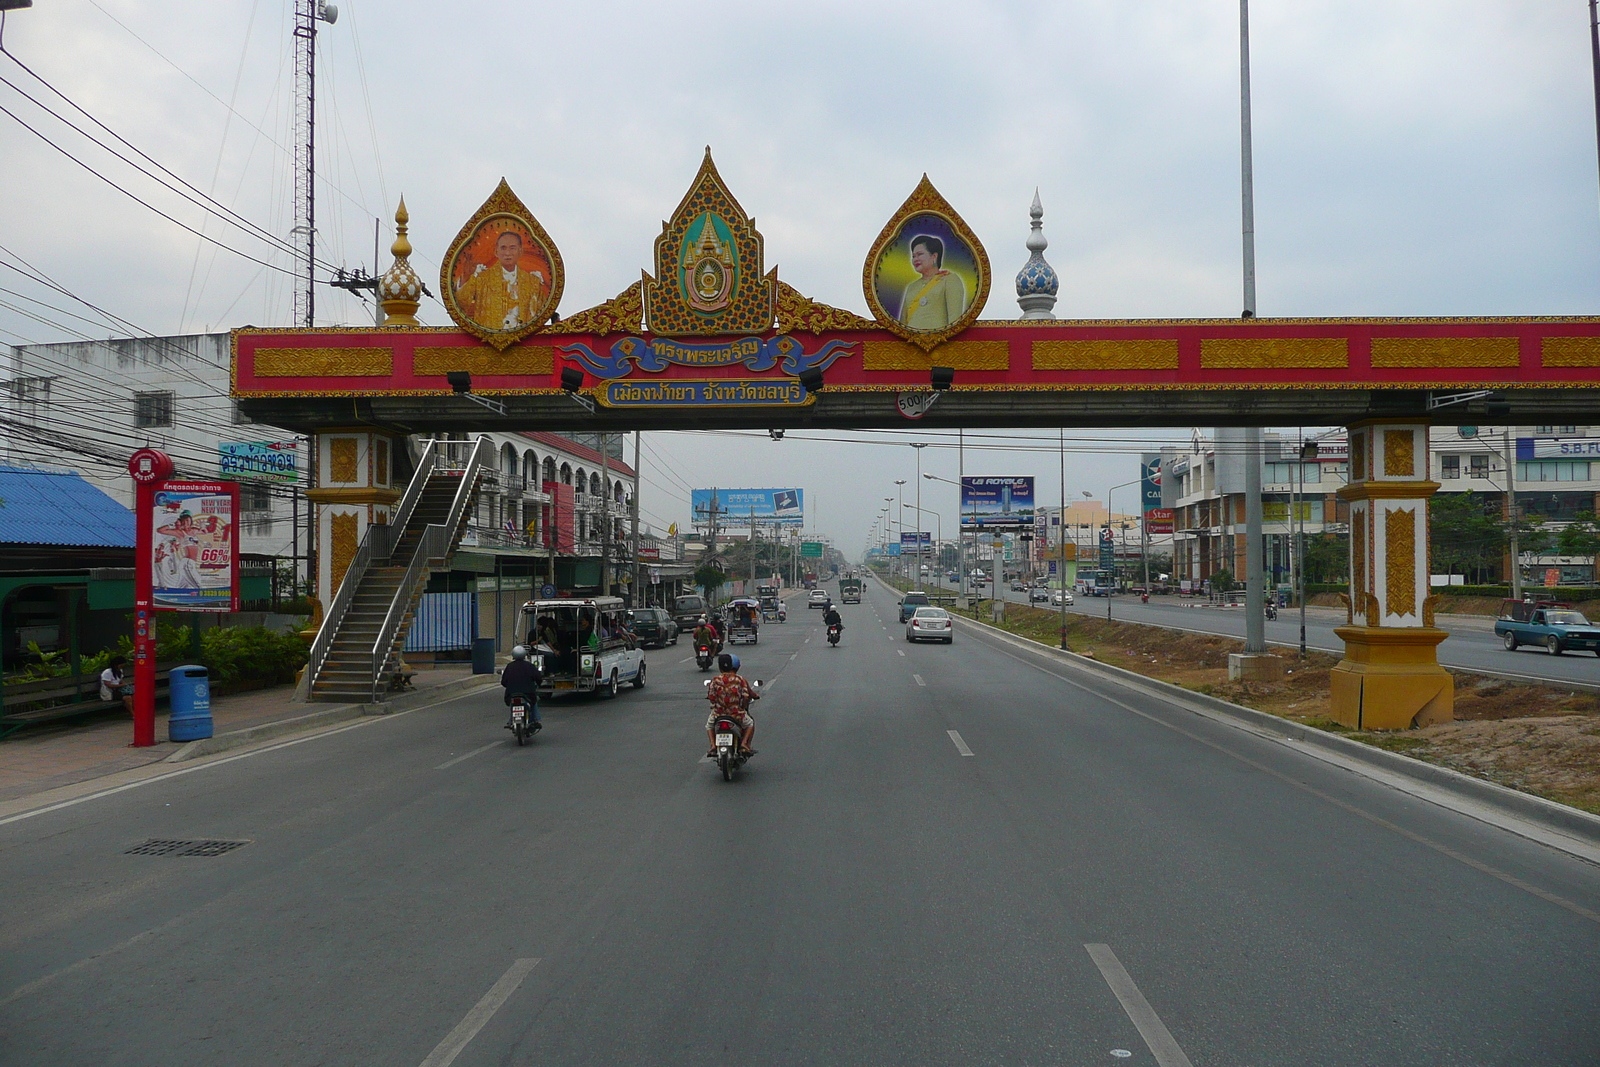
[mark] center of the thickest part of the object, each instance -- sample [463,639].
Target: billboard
[731,507]
[1158,521]
[914,540]
[990,502]
[1150,480]
[195,527]
[270,461]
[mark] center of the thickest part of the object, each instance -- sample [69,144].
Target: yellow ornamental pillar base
[1390,679]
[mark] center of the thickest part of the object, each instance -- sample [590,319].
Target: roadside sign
[546,591]
[811,549]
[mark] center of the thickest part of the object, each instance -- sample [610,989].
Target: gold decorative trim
[925,200]
[1255,353]
[1399,454]
[1349,609]
[367,361]
[523,359]
[1569,352]
[1369,607]
[1446,352]
[502,203]
[1330,320]
[342,455]
[1407,490]
[335,495]
[1428,607]
[623,313]
[1358,553]
[798,313]
[1400,560]
[957,355]
[1106,355]
[342,542]
[1358,455]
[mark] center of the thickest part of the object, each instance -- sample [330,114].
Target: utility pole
[1255,630]
[1594,55]
[605,514]
[1511,513]
[307,13]
[1061,567]
[919,446]
[635,587]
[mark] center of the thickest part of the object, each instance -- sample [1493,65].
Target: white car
[817,598]
[1059,597]
[930,624]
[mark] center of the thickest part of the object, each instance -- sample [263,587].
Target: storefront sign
[1158,521]
[273,461]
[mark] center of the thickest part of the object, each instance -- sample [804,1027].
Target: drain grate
[158,846]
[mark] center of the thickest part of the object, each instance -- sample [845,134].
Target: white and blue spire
[1037,283]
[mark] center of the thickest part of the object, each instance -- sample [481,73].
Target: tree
[1581,538]
[1221,579]
[1468,536]
[1327,558]
[709,576]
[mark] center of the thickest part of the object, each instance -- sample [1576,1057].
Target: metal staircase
[357,648]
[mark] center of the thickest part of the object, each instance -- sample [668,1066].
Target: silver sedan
[930,624]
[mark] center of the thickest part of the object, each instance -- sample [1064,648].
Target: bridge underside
[878,409]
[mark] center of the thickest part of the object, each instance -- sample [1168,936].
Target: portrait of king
[510,290]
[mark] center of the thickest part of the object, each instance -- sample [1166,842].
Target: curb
[329,716]
[1547,813]
[1329,747]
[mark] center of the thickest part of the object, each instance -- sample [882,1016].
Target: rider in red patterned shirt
[730,697]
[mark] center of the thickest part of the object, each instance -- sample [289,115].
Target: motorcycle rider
[730,697]
[706,637]
[522,678]
[831,618]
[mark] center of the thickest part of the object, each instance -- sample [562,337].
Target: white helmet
[519,653]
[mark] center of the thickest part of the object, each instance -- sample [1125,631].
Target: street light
[1109,514]
[919,446]
[961,548]
[938,521]
[901,482]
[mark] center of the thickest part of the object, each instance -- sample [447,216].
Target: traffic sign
[546,591]
[811,549]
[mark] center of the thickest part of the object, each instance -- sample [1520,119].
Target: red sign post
[150,468]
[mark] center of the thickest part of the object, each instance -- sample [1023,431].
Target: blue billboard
[736,507]
[996,502]
[913,540]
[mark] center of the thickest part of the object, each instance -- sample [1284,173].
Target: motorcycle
[1144,598]
[1272,612]
[833,634]
[521,722]
[726,732]
[702,657]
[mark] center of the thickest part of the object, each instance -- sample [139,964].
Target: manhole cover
[158,846]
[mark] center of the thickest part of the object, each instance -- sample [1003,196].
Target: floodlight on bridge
[941,378]
[572,381]
[811,378]
[461,384]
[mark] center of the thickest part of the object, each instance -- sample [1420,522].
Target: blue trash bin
[483,655]
[191,704]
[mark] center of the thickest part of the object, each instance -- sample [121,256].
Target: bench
[78,694]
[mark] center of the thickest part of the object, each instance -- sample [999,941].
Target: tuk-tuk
[744,614]
[581,645]
[773,610]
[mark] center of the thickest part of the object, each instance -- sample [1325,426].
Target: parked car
[930,624]
[1554,626]
[912,601]
[654,627]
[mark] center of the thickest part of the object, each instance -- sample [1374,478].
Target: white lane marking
[372,720]
[467,1029]
[1145,1020]
[961,746]
[469,755]
[920,682]
[901,651]
[794,655]
[686,660]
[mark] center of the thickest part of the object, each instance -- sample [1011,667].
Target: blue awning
[59,508]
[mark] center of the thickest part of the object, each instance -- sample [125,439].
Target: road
[1471,645]
[941,856]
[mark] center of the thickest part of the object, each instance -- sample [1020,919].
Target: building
[1204,486]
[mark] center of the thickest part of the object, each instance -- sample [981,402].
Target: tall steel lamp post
[919,446]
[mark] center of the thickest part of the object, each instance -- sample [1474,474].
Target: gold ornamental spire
[400,290]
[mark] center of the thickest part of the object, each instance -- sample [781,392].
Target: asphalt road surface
[1471,645]
[943,855]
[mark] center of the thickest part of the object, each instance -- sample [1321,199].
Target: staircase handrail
[419,481]
[336,610]
[436,542]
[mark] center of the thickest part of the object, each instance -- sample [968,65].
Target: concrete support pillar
[1390,678]
[355,488]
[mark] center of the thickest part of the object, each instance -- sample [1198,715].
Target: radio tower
[307,13]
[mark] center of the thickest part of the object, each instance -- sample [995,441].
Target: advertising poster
[913,540]
[1150,480]
[766,507]
[195,528]
[269,461]
[1158,521]
[995,502]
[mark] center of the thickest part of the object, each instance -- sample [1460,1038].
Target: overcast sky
[1411,157]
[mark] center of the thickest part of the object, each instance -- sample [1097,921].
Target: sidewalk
[49,757]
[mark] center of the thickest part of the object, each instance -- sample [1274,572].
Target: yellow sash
[905,312]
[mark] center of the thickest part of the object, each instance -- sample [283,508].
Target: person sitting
[113,685]
[730,697]
[522,678]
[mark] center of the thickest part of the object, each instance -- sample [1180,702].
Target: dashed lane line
[1143,1016]
[961,746]
[475,752]
[467,1029]
[920,682]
